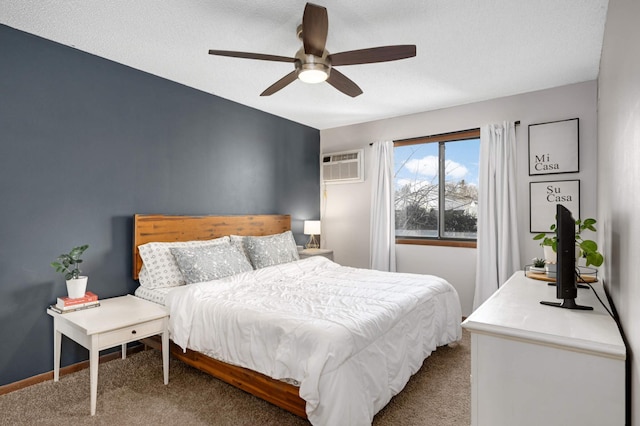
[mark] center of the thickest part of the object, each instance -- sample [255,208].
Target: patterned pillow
[271,249]
[238,242]
[206,263]
[143,277]
[160,265]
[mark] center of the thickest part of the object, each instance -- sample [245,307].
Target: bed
[326,342]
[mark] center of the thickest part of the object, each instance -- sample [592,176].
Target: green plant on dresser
[588,248]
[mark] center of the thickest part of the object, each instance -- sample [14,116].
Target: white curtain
[498,253]
[382,231]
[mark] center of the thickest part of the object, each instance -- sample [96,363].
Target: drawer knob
[133,332]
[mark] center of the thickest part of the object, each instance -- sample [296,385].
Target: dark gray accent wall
[86,143]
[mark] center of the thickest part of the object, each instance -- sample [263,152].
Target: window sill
[427,242]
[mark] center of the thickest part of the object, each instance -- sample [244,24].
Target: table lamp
[312,228]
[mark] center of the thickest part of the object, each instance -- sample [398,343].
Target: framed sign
[544,196]
[554,147]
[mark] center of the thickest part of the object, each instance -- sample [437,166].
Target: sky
[420,162]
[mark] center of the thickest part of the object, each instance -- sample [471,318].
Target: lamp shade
[312,227]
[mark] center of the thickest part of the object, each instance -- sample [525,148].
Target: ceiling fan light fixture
[313,73]
[313,63]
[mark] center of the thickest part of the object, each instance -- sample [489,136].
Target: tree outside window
[436,187]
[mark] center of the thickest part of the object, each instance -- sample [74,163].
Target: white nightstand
[304,253]
[116,321]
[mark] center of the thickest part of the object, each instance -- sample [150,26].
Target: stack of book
[66,304]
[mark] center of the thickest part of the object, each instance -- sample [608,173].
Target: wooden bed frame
[163,228]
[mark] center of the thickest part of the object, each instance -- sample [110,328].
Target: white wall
[345,214]
[619,173]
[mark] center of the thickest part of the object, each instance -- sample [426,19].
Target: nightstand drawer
[128,334]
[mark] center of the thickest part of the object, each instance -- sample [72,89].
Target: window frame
[440,138]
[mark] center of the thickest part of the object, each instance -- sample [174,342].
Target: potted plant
[588,249]
[549,245]
[538,265]
[69,265]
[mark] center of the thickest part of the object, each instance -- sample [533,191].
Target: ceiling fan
[313,64]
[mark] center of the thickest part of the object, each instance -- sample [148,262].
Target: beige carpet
[130,392]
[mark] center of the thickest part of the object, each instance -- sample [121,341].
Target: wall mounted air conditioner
[343,167]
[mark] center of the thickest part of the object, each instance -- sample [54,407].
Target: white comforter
[350,337]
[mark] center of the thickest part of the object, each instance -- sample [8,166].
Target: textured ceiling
[467,50]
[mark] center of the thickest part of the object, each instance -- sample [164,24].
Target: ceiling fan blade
[247,55]
[374,54]
[280,84]
[315,25]
[343,84]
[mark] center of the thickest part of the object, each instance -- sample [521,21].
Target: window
[436,188]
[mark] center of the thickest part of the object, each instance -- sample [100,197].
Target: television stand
[568,304]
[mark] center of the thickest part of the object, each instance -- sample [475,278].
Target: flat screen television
[566,285]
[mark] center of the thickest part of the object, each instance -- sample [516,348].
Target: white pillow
[271,249]
[143,277]
[160,265]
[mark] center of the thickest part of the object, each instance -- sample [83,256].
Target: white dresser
[533,364]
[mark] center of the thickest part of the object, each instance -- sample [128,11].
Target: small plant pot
[549,255]
[551,270]
[578,253]
[76,288]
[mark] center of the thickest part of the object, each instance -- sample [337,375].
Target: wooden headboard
[164,228]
